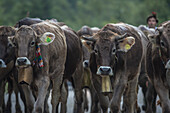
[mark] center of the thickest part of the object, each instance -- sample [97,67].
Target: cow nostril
[24,60]
[101,69]
[108,70]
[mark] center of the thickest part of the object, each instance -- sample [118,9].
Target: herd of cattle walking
[39,56]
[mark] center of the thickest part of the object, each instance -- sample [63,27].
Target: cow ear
[87,44]
[46,38]
[154,38]
[126,44]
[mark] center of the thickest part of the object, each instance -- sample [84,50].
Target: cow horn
[89,38]
[121,37]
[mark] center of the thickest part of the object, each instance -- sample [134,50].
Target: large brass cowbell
[106,84]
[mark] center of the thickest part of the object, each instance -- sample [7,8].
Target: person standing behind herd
[152,21]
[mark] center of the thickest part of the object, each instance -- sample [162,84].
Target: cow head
[6,46]
[85,31]
[105,46]
[26,40]
[162,40]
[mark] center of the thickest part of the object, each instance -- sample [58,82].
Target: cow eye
[162,44]
[32,43]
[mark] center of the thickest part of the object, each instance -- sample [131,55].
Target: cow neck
[38,57]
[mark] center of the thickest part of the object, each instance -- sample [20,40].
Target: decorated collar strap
[38,57]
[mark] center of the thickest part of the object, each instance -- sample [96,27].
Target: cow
[115,65]
[41,52]
[147,87]
[73,65]
[158,63]
[87,31]
[6,60]
[8,70]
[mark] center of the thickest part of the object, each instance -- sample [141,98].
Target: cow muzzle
[22,61]
[86,63]
[167,66]
[105,70]
[2,64]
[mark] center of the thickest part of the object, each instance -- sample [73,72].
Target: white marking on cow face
[105,70]
[22,61]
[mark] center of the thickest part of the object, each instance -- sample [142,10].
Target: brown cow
[158,64]
[73,62]
[6,60]
[41,55]
[73,66]
[7,69]
[115,65]
[147,87]
[87,31]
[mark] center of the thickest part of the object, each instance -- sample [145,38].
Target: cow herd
[40,56]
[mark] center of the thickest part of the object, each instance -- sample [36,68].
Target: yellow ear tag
[127,46]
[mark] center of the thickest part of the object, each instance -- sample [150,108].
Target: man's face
[152,23]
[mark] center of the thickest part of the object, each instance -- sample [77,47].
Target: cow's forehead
[104,41]
[105,36]
[25,31]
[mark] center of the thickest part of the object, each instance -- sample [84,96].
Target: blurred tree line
[77,13]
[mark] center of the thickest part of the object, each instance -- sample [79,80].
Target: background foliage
[77,13]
